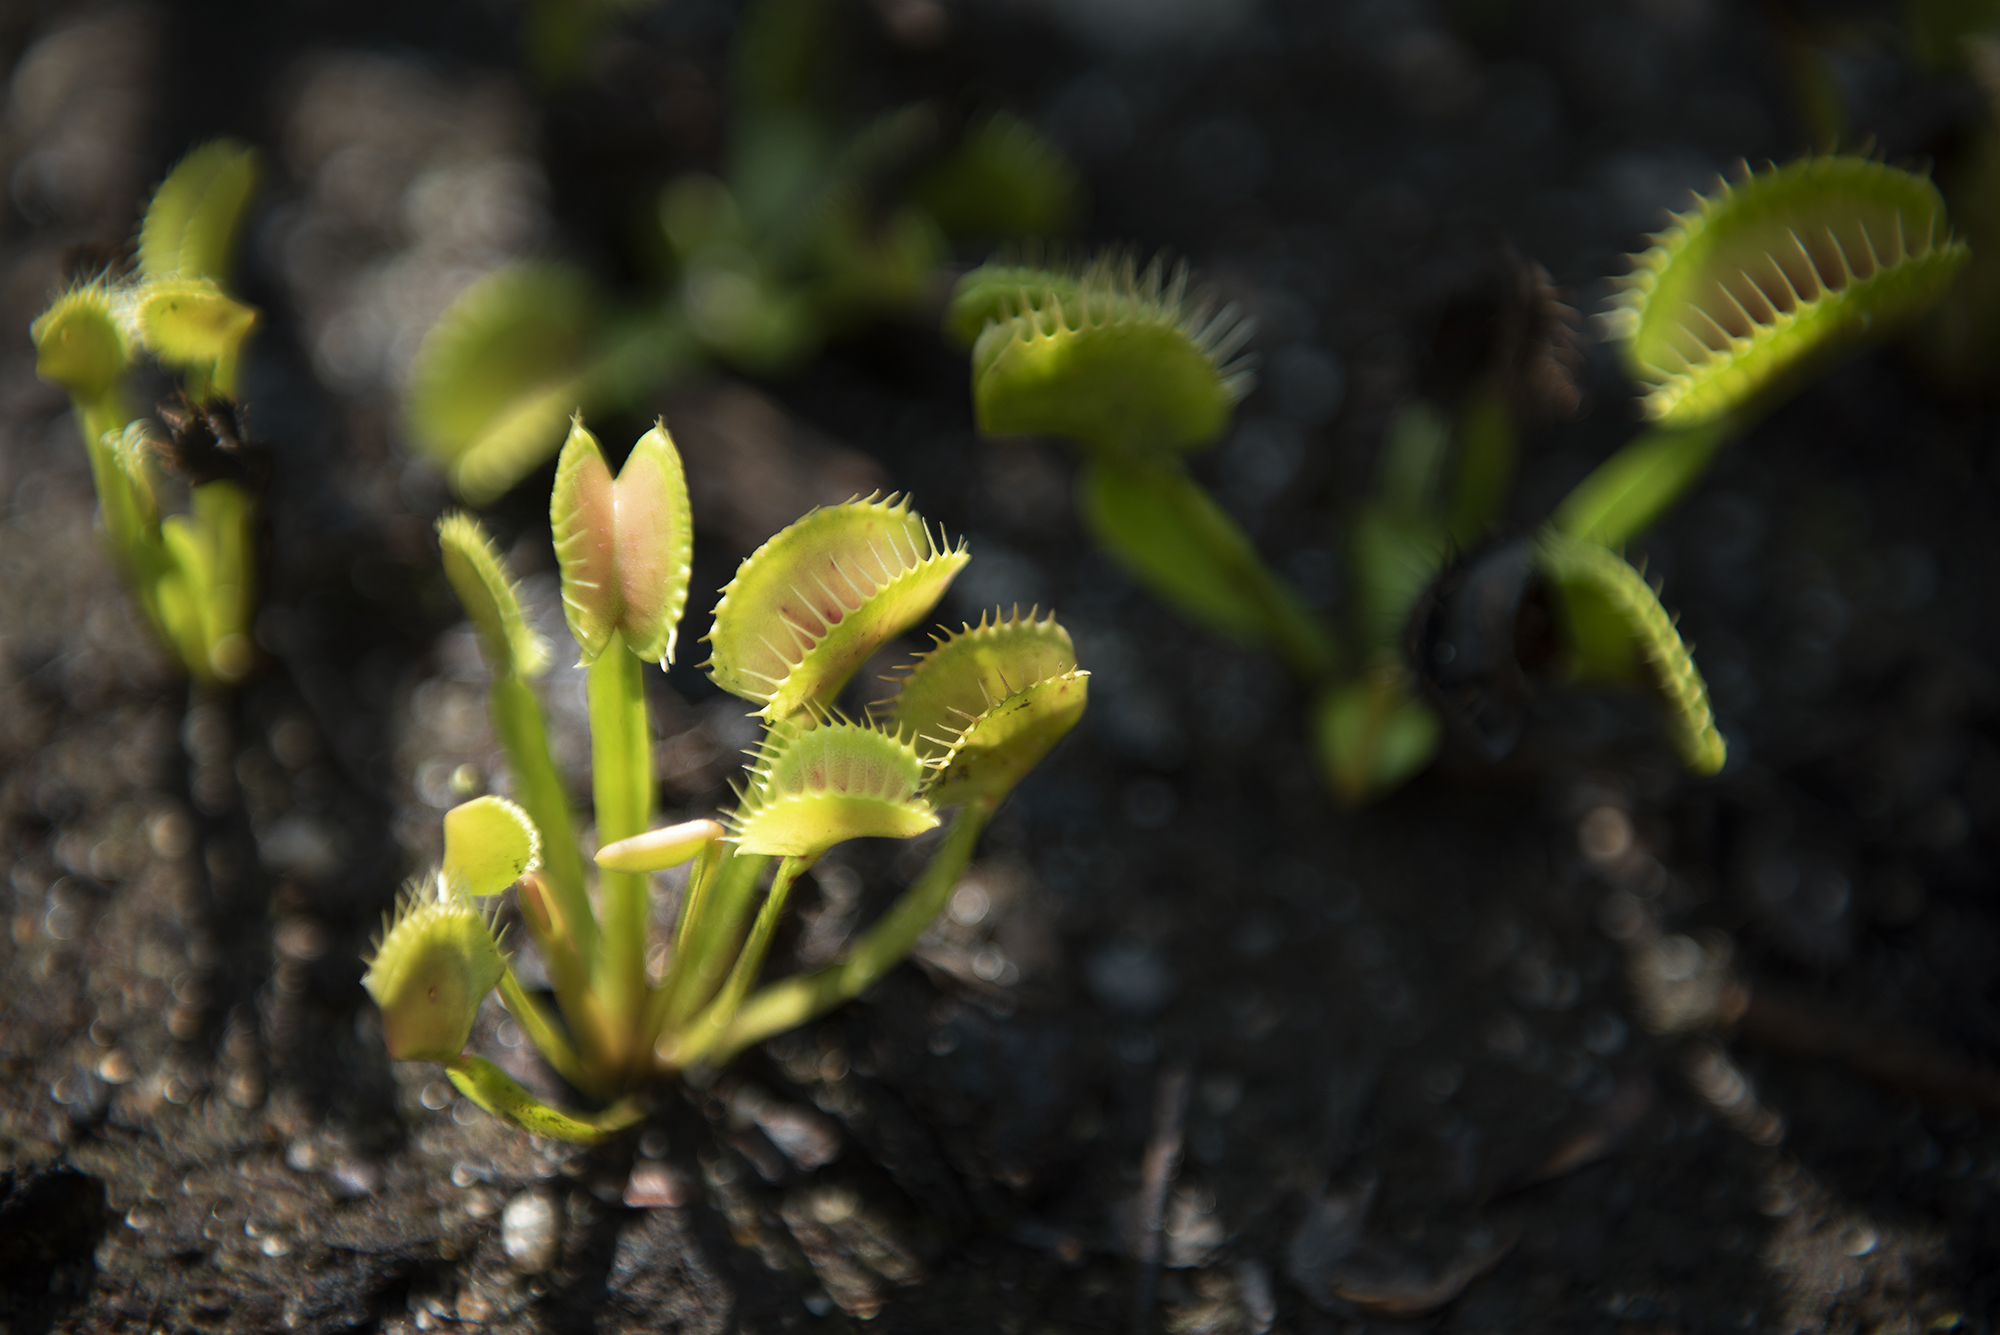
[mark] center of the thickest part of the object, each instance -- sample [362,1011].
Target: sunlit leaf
[489,843]
[191,224]
[435,964]
[988,703]
[1118,358]
[809,606]
[1776,274]
[818,783]
[500,1094]
[510,646]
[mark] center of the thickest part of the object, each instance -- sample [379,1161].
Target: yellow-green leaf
[191,223]
[1776,274]
[435,964]
[489,843]
[1653,637]
[655,545]
[80,342]
[1003,180]
[809,606]
[500,1094]
[819,783]
[498,376]
[626,545]
[988,703]
[1374,735]
[510,646]
[192,322]
[584,523]
[1115,357]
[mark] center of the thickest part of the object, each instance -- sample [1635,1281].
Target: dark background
[1408,1043]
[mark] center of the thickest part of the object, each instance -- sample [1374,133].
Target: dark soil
[1568,1043]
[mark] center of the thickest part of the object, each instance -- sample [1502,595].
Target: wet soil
[1571,1042]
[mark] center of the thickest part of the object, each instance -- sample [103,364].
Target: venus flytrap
[800,616]
[1137,368]
[191,573]
[1738,305]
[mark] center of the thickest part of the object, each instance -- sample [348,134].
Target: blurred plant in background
[1738,305]
[811,229]
[192,573]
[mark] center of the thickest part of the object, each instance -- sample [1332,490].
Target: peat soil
[1568,1043]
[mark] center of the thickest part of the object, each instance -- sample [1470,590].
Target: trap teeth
[1775,273]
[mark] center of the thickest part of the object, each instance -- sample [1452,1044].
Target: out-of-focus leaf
[497,378]
[1626,493]
[191,223]
[1004,179]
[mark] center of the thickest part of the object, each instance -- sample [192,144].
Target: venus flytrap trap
[1738,305]
[192,573]
[802,613]
[1138,368]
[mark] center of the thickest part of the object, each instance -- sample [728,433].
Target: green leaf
[500,1094]
[1651,633]
[584,523]
[472,564]
[1628,491]
[998,292]
[1003,180]
[125,496]
[191,223]
[985,705]
[1169,533]
[626,546]
[1374,735]
[655,530]
[1395,560]
[80,342]
[821,783]
[204,592]
[1129,361]
[809,606]
[489,843]
[192,322]
[497,377]
[1143,516]
[1409,476]
[869,266]
[435,964]
[1768,280]
[224,516]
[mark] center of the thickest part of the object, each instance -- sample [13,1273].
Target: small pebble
[355,1178]
[654,1185]
[528,1231]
